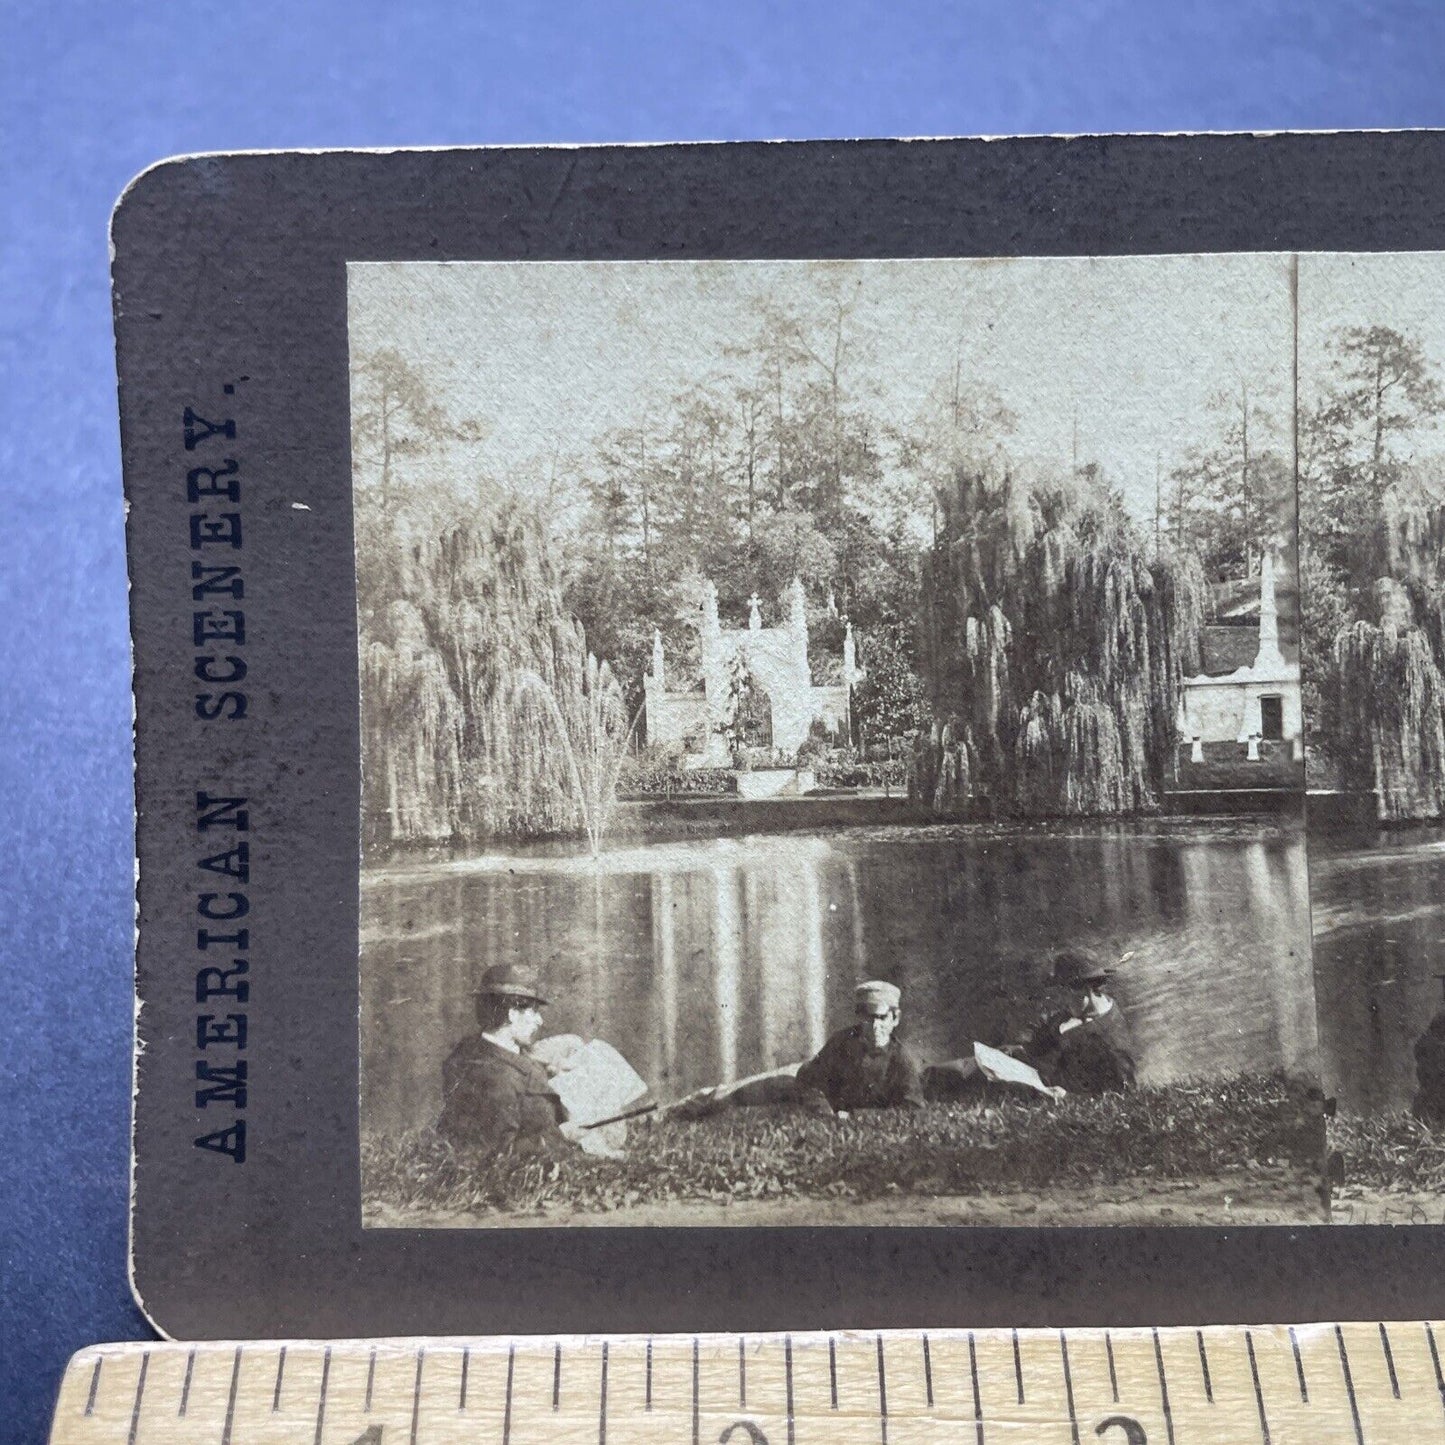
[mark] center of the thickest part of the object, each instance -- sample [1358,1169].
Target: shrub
[640,779]
[668,755]
[749,759]
[820,745]
[851,774]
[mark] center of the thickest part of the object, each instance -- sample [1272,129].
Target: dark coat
[1429,1102]
[851,1077]
[495,1100]
[1095,1057]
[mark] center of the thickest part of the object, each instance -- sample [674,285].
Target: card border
[230,271]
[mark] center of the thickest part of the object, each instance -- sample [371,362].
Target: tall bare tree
[394,416]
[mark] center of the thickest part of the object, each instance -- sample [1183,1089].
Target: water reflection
[707,961]
[1379,924]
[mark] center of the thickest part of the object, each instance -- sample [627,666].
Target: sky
[1400,289]
[1121,353]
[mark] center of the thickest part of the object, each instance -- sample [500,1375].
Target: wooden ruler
[1359,1384]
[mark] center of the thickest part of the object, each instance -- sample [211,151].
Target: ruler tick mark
[1389,1362]
[927,1372]
[321,1394]
[1018,1368]
[186,1388]
[602,1402]
[370,1379]
[140,1389]
[466,1364]
[231,1400]
[1258,1393]
[1435,1360]
[1113,1378]
[788,1378]
[280,1371]
[742,1374]
[557,1375]
[95,1385]
[977,1401]
[1349,1385]
[647,1399]
[695,1424]
[1069,1387]
[1299,1367]
[416,1393]
[882,1395]
[832,1369]
[1204,1367]
[507,1402]
[1164,1389]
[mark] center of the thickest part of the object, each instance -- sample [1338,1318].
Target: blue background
[91,93]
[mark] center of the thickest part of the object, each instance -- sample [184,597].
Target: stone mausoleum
[1248,693]
[778,662]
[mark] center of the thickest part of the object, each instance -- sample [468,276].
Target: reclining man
[867,1066]
[1082,1047]
[495,1096]
[1088,1047]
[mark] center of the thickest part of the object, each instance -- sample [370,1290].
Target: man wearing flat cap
[1088,1047]
[494,1095]
[867,1066]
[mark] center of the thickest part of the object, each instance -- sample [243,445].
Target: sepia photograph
[1372,526]
[833,738]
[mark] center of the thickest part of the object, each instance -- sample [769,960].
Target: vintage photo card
[839,722]
[722,734]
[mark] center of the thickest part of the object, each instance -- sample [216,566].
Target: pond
[707,961]
[1379,925]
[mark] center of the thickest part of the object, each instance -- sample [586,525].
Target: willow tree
[458,603]
[451,623]
[1058,646]
[1373,535]
[1387,681]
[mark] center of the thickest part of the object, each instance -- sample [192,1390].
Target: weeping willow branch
[1390,703]
[1061,648]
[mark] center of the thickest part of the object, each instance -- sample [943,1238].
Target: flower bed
[650,781]
[840,774]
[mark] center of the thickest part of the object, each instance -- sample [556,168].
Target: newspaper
[1003,1068]
[592,1080]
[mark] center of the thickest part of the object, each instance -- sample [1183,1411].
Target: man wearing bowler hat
[494,1095]
[1088,1047]
[867,1066]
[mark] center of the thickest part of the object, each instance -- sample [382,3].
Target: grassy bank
[1392,1152]
[1180,1132]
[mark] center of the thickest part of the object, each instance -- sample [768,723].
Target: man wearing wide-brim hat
[495,1096]
[1086,1047]
[867,1066]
